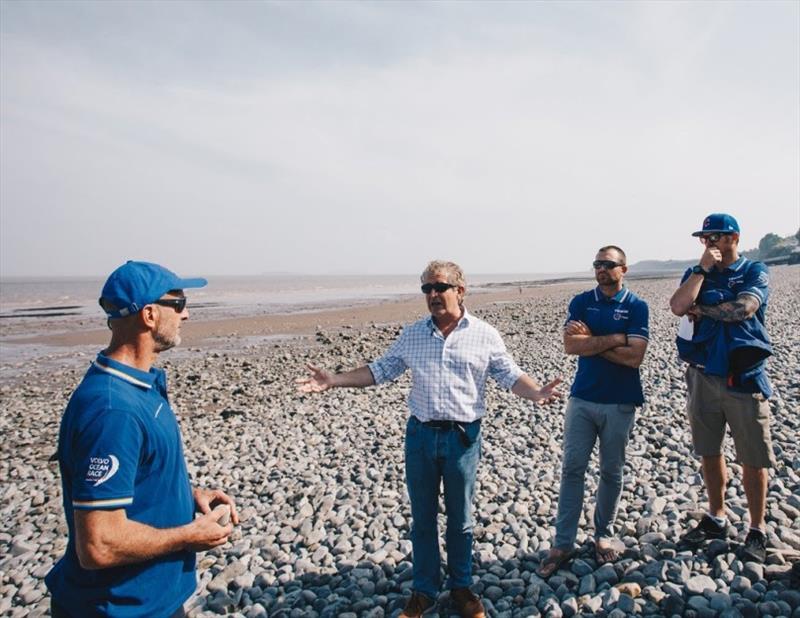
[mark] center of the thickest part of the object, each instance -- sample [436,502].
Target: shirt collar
[617,298]
[737,264]
[137,377]
[463,321]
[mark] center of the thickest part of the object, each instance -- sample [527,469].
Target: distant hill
[772,249]
[659,266]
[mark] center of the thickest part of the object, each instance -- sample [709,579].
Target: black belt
[459,426]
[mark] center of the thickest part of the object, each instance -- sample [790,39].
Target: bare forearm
[624,355]
[357,378]
[128,542]
[526,387]
[737,310]
[684,297]
[591,345]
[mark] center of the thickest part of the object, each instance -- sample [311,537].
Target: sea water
[32,298]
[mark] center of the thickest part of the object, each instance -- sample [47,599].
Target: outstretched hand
[548,393]
[319,380]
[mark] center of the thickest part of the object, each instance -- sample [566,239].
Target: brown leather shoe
[467,603]
[417,605]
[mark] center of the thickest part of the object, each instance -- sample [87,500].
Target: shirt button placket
[441,389]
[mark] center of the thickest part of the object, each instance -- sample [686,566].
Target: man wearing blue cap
[723,300]
[127,498]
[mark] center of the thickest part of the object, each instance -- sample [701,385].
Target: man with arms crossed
[450,354]
[607,328]
[127,498]
[716,398]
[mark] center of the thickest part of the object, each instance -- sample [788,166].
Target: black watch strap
[699,270]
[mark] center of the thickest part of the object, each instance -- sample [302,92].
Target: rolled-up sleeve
[502,367]
[392,364]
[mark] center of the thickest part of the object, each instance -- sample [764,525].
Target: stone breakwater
[320,487]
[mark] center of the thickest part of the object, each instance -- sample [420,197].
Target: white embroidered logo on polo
[101,469]
[620,314]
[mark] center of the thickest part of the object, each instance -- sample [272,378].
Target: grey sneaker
[755,547]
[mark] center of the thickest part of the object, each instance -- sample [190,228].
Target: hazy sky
[369,137]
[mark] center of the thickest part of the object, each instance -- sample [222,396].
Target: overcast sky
[369,137]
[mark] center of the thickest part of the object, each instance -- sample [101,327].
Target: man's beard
[165,342]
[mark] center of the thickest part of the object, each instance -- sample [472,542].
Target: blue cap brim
[717,231]
[197,282]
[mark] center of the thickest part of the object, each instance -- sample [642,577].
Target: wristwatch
[699,270]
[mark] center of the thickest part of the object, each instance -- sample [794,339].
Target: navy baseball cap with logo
[718,222]
[136,284]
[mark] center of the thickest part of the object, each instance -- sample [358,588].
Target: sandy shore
[320,484]
[199,330]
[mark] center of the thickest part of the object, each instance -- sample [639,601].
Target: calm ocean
[229,295]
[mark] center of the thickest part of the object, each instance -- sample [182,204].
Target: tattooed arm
[739,310]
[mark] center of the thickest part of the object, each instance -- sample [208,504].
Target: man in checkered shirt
[450,355]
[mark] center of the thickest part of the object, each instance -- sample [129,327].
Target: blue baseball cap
[136,284]
[718,222]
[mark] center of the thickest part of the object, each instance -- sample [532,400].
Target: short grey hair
[454,273]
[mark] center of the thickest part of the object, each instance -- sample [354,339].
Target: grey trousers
[584,423]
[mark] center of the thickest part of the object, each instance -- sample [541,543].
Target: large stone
[606,574]
[633,590]
[698,584]
[753,571]
[626,604]
[740,583]
[586,585]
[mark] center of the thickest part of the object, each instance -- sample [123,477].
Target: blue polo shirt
[599,380]
[119,447]
[717,345]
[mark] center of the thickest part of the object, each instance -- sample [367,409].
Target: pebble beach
[319,479]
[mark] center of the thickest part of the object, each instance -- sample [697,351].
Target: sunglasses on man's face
[605,264]
[713,237]
[440,287]
[178,304]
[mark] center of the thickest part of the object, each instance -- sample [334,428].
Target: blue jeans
[435,457]
[584,422]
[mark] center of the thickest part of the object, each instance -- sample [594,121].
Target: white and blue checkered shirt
[448,375]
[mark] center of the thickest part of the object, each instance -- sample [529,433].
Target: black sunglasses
[606,264]
[440,287]
[178,304]
[713,237]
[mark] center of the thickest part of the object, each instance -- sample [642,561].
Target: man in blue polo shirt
[725,343]
[607,328]
[127,499]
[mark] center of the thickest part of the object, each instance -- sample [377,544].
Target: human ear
[149,316]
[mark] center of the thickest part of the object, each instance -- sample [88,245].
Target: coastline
[200,329]
[319,480]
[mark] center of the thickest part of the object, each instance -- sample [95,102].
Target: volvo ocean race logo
[101,469]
